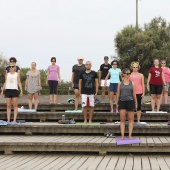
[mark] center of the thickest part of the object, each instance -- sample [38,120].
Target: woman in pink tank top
[138,80]
[166,72]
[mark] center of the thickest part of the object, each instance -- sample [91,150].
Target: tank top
[137,80]
[12,81]
[126,92]
[166,74]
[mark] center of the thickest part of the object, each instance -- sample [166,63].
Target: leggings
[53,86]
[139,100]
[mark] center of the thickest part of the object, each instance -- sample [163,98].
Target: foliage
[144,45]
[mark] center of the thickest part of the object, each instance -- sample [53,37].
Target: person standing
[114,74]
[77,69]
[88,87]
[11,91]
[138,79]
[126,102]
[53,79]
[166,72]
[17,69]
[33,85]
[104,68]
[155,84]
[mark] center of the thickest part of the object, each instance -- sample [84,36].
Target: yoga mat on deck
[26,110]
[94,123]
[168,122]
[155,112]
[3,123]
[73,111]
[127,141]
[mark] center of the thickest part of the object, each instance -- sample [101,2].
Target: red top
[156,76]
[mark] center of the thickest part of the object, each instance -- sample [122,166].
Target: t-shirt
[53,72]
[88,82]
[77,71]
[104,69]
[156,76]
[114,75]
[8,69]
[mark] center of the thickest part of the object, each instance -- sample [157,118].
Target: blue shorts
[76,86]
[113,87]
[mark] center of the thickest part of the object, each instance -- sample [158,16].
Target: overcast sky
[36,30]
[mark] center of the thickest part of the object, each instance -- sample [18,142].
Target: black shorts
[113,87]
[139,99]
[156,89]
[11,93]
[76,86]
[127,105]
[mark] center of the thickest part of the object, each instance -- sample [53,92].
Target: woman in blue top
[114,74]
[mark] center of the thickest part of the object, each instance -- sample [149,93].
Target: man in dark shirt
[88,87]
[102,75]
[76,71]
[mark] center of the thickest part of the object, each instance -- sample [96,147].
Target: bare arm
[143,85]
[59,76]
[20,85]
[80,85]
[97,86]
[39,81]
[149,78]
[100,74]
[118,95]
[72,80]
[105,82]
[134,95]
[26,83]
[47,77]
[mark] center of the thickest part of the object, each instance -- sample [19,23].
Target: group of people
[85,82]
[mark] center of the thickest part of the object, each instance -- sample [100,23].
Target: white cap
[80,58]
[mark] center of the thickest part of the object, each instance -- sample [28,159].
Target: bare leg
[131,122]
[76,99]
[139,115]
[15,105]
[103,93]
[116,101]
[36,101]
[51,98]
[111,94]
[55,98]
[91,114]
[85,114]
[166,97]
[153,98]
[158,97]
[122,122]
[30,97]
[8,100]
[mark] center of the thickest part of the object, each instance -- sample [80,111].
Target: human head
[156,62]
[33,65]
[125,73]
[114,64]
[163,63]
[53,60]
[12,60]
[12,66]
[88,65]
[135,66]
[80,59]
[106,59]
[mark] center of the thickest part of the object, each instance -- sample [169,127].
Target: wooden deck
[82,162]
[99,144]
[98,116]
[160,128]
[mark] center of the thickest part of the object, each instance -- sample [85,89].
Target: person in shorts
[166,72]
[11,91]
[126,102]
[104,68]
[114,74]
[156,83]
[88,87]
[77,69]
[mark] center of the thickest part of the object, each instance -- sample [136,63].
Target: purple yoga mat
[127,141]
[169,122]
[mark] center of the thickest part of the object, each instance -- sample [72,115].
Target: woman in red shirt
[155,83]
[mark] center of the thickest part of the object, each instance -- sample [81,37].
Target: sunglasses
[52,61]
[127,73]
[163,63]
[135,67]
[11,66]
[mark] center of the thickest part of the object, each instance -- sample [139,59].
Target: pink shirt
[53,72]
[166,74]
[137,80]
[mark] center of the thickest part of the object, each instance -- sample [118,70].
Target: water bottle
[63,117]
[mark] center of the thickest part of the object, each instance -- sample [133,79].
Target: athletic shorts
[107,83]
[139,99]
[127,105]
[113,87]
[76,86]
[166,87]
[11,93]
[156,89]
[87,100]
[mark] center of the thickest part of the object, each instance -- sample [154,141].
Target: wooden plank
[164,141]
[65,161]
[87,163]
[137,163]
[162,163]
[121,163]
[145,163]
[167,160]
[103,164]
[154,163]
[150,141]
[129,163]
[79,163]
[143,141]
[157,141]
[95,163]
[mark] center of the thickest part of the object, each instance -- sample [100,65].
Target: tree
[144,45]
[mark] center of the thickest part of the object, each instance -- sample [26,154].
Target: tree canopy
[145,44]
